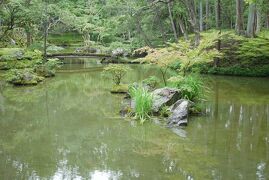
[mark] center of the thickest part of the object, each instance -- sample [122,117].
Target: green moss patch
[122,88]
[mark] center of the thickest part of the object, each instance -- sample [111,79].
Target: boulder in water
[164,97]
[24,77]
[179,113]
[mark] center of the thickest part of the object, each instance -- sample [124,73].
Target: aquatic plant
[143,103]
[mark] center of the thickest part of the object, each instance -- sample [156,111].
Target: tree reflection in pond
[69,127]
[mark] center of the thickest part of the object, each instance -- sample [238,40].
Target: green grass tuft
[143,103]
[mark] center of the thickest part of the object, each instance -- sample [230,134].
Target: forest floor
[242,56]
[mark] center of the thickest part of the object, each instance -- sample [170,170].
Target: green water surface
[69,128]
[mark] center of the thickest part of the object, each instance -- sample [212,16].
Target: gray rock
[87,50]
[180,112]
[119,52]
[54,48]
[164,97]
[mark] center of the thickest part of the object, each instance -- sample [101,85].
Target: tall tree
[201,15]
[169,5]
[251,20]
[190,4]
[218,25]
[45,24]
[207,15]
[267,19]
[239,26]
[183,28]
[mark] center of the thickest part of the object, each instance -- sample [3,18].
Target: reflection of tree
[81,127]
[85,134]
[236,139]
[240,89]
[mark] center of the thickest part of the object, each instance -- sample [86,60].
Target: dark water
[69,128]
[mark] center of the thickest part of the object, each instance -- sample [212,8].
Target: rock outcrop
[142,52]
[164,97]
[179,113]
[178,109]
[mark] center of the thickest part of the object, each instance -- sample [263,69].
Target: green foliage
[49,68]
[203,53]
[143,103]
[255,71]
[121,88]
[4,66]
[116,71]
[116,45]
[36,46]
[184,54]
[152,82]
[65,39]
[252,49]
[191,86]
[10,51]
[241,56]
[165,112]
[33,55]
[23,77]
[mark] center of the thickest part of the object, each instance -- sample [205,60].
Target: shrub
[117,72]
[23,77]
[143,103]
[152,82]
[33,55]
[49,68]
[190,86]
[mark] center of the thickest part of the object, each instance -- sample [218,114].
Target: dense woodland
[134,23]
[161,58]
[217,37]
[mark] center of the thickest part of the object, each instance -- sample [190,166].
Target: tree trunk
[45,33]
[217,9]
[201,15]
[239,26]
[172,20]
[157,10]
[207,15]
[29,38]
[183,29]
[142,33]
[267,20]
[218,25]
[193,20]
[251,20]
[258,21]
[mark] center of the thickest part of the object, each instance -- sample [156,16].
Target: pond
[69,128]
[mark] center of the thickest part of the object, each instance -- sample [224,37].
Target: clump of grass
[143,103]
[191,86]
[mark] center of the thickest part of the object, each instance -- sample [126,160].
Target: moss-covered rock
[23,77]
[48,69]
[121,88]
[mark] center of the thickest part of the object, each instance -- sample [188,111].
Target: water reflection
[236,128]
[69,128]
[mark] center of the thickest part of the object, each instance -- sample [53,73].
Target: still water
[69,128]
